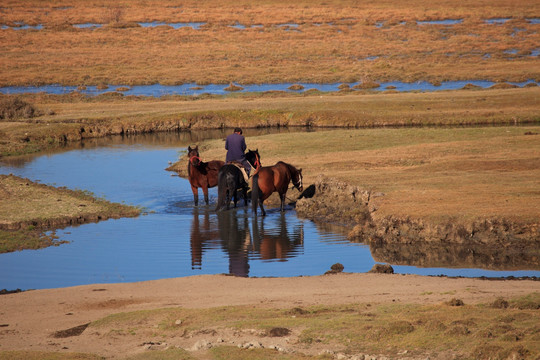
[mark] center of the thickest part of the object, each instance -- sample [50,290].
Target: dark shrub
[13,108]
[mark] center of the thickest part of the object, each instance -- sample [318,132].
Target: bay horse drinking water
[202,174]
[269,179]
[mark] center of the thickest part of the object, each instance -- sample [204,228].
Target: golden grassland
[330,41]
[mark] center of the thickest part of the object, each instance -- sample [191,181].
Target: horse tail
[255,193]
[222,191]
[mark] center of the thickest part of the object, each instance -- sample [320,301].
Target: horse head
[193,155]
[297,179]
[253,157]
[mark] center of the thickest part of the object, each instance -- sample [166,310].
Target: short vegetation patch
[468,331]
[29,212]
[43,355]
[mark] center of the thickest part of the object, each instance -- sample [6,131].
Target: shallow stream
[175,238]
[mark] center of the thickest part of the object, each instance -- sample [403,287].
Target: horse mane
[293,170]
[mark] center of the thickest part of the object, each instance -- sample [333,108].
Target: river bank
[30,210]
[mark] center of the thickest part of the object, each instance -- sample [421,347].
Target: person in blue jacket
[235,144]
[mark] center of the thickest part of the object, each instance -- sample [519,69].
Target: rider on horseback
[235,144]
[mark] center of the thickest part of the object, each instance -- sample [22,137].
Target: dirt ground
[29,320]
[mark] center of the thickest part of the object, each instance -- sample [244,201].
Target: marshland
[430,177]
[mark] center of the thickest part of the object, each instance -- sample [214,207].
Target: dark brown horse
[202,174]
[270,179]
[231,181]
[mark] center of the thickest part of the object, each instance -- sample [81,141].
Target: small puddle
[88,26]
[22,26]
[178,25]
[497,21]
[440,22]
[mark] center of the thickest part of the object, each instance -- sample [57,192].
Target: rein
[194,157]
[257,164]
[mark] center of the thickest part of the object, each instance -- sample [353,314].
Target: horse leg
[195,195]
[244,191]
[235,197]
[262,208]
[282,197]
[205,192]
[228,198]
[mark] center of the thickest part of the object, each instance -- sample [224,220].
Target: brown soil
[56,319]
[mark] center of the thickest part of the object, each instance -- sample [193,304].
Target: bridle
[298,184]
[256,164]
[193,158]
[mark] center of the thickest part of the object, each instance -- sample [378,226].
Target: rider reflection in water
[235,144]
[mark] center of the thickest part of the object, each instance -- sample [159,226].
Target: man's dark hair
[238,130]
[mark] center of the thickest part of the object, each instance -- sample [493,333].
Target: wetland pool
[174,238]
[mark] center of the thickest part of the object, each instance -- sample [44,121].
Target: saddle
[242,169]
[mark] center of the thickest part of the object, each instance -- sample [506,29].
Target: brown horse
[270,179]
[202,174]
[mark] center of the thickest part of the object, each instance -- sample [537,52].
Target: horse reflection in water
[230,230]
[277,243]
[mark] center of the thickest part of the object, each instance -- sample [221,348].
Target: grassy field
[283,41]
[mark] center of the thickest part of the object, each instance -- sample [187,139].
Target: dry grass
[333,41]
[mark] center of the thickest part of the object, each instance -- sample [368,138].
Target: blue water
[177,25]
[192,89]
[497,21]
[174,238]
[22,26]
[88,26]
[440,22]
